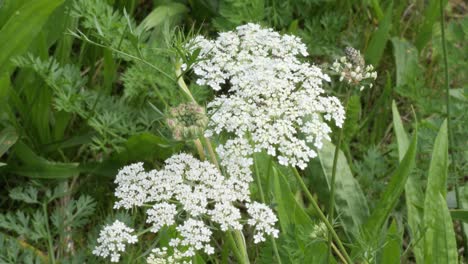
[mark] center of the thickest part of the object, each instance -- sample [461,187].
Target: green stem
[235,249]
[181,82]
[50,248]
[200,150]
[447,105]
[331,205]
[241,245]
[321,215]
[262,197]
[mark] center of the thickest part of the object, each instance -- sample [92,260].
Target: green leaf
[459,214]
[438,169]
[440,243]
[8,137]
[27,195]
[34,166]
[393,244]
[379,38]
[289,211]
[431,15]
[392,193]
[401,136]
[439,240]
[350,202]
[414,196]
[162,14]
[22,27]
[406,60]
[148,147]
[353,113]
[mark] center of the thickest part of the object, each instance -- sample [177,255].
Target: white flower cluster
[112,240]
[263,219]
[188,192]
[162,256]
[353,70]
[273,99]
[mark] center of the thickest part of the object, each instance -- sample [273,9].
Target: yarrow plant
[274,100]
[191,195]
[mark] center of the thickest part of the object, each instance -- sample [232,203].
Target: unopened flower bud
[187,121]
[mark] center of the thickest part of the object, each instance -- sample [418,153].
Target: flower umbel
[191,195]
[112,240]
[273,97]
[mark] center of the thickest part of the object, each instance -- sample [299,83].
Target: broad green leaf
[393,191]
[414,196]
[22,27]
[350,202]
[163,13]
[8,137]
[148,147]
[289,211]
[430,16]
[34,166]
[440,243]
[464,206]
[406,60]
[439,239]
[459,214]
[401,136]
[438,169]
[379,38]
[391,251]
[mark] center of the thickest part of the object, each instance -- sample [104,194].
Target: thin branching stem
[447,106]
[322,216]
[50,247]
[331,205]
[262,197]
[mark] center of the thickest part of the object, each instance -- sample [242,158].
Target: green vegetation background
[82,94]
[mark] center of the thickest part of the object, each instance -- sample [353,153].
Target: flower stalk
[322,216]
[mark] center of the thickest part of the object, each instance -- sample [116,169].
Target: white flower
[236,158]
[112,240]
[161,214]
[202,195]
[227,216]
[132,186]
[161,256]
[195,236]
[272,94]
[353,70]
[263,220]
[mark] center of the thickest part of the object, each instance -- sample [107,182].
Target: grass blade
[393,191]
[8,137]
[413,193]
[379,38]
[22,27]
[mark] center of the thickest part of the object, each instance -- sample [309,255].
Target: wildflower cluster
[273,99]
[112,240]
[353,69]
[187,121]
[192,194]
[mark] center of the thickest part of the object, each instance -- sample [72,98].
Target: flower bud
[187,121]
